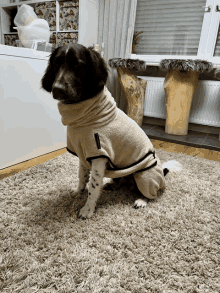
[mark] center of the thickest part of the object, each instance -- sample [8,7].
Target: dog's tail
[172,166]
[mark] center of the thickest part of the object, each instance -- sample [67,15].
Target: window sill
[154,60]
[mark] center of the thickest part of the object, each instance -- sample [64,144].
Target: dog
[107,142]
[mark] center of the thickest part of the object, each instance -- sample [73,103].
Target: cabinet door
[30,124]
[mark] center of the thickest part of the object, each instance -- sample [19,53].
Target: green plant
[136,39]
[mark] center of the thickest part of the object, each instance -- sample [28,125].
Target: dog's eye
[58,62]
[56,65]
[76,65]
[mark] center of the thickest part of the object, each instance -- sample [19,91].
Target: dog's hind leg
[95,185]
[149,182]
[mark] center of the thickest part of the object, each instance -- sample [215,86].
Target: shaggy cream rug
[173,245]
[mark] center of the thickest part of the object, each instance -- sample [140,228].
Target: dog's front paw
[86,212]
[140,203]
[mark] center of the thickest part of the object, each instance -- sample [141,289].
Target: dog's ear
[99,69]
[49,75]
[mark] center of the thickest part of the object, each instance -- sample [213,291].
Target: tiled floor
[193,138]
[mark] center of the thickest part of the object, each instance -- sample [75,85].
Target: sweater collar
[98,111]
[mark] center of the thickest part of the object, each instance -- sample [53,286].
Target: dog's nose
[58,91]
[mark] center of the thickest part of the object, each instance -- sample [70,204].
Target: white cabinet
[30,124]
[69,21]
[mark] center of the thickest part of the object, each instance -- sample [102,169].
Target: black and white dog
[107,142]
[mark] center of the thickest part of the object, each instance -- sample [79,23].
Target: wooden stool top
[133,64]
[185,65]
[217,73]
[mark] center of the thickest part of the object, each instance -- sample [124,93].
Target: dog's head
[75,73]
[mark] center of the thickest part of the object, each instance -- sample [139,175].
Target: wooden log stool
[133,87]
[179,85]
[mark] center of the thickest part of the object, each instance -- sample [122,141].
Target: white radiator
[205,108]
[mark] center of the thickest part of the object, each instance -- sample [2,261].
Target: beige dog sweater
[97,128]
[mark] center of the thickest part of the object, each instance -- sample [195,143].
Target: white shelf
[87,21]
[8,12]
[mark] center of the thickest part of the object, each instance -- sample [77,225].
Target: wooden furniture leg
[134,89]
[179,89]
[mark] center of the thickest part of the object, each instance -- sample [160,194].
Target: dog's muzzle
[59,92]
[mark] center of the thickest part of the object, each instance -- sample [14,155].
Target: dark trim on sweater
[115,167]
[145,169]
[71,152]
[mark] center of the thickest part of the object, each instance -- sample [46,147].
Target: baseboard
[30,163]
[187,150]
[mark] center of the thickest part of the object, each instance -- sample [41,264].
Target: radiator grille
[205,108]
